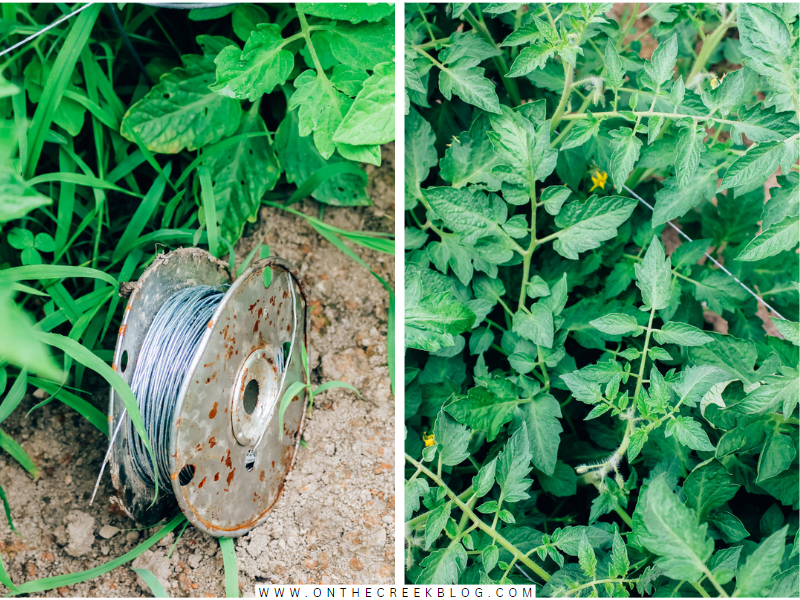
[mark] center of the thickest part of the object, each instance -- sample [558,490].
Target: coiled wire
[162,365]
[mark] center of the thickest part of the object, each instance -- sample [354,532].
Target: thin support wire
[45,29]
[711,258]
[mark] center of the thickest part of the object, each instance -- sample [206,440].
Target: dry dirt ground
[335,520]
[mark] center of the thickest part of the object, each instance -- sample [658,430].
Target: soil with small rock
[334,523]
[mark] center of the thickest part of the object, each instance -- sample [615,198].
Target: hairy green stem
[479,522]
[568,73]
[499,61]
[709,45]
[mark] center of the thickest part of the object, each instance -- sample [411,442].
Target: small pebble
[109,531]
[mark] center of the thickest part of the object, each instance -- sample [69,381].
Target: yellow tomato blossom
[599,180]
[716,82]
[428,439]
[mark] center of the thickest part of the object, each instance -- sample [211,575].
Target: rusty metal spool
[228,458]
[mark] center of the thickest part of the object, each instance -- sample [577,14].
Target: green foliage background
[105,162]
[571,418]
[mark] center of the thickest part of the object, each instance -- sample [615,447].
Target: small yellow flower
[599,180]
[715,83]
[428,439]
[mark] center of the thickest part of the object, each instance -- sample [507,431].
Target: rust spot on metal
[227,459]
[288,327]
[123,329]
[216,477]
[199,447]
[230,477]
[213,412]
[262,475]
[202,483]
[285,293]
[253,305]
[210,324]
[113,367]
[212,442]
[273,464]
[174,476]
[211,364]
[255,327]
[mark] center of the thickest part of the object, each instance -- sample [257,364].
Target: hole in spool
[250,396]
[186,475]
[286,349]
[249,460]
[123,361]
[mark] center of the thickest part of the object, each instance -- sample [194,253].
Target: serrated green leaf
[681,334]
[781,236]
[586,224]
[761,565]
[654,276]
[542,416]
[513,465]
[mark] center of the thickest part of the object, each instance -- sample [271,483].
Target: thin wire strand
[711,258]
[46,29]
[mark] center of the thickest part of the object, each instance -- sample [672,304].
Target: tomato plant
[127,129]
[594,402]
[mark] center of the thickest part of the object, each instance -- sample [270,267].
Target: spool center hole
[186,475]
[250,397]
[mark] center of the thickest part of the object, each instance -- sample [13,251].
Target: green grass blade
[66,200]
[329,385]
[231,570]
[88,358]
[127,166]
[7,510]
[8,444]
[54,272]
[26,289]
[125,274]
[5,579]
[56,84]
[291,392]
[209,208]
[50,583]
[64,301]
[216,149]
[14,395]
[143,214]
[153,583]
[86,410]
[78,179]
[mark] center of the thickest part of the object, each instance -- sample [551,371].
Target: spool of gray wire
[209,360]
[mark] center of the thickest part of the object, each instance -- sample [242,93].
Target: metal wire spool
[227,459]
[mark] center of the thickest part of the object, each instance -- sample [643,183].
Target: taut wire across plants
[593,404]
[127,130]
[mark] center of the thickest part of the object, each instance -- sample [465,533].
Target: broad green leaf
[435,523]
[617,324]
[181,112]
[17,198]
[452,440]
[735,357]
[542,415]
[470,45]
[413,490]
[761,565]
[553,198]
[625,148]
[354,12]
[762,124]
[586,557]
[432,320]
[370,119]
[301,160]
[687,154]
[513,465]
[524,151]
[27,352]
[531,58]
[362,45]
[658,70]
[777,455]
[262,65]
[695,382]
[681,334]
[654,276]
[489,557]
[242,174]
[585,225]
[443,567]
[615,76]
[483,410]
[470,157]
[728,94]
[781,236]
[689,433]
[463,212]
[420,154]
[562,483]
[581,133]
[245,18]
[784,201]
[788,329]
[767,46]
[619,558]
[755,166]
[673,202]
[483,482]
[674,534]
[536,326]
[469,83]
[707,487]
